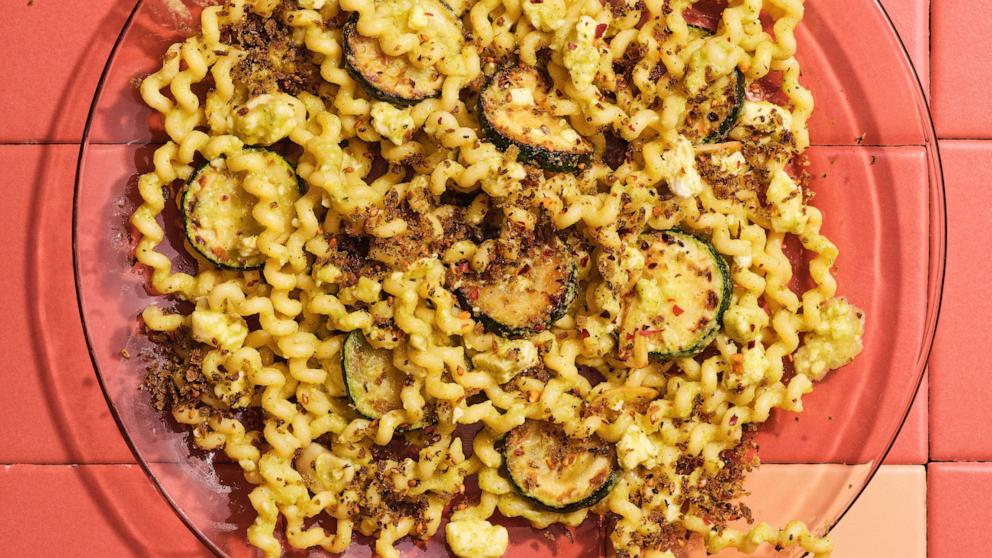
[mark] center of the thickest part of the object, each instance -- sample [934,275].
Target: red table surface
[68,481]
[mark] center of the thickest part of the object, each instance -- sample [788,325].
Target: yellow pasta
[350,196]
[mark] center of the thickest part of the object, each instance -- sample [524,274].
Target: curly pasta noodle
[396,199]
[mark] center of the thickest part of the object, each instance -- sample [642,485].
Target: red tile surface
[88,511]
[961,68]
[912,21]
[56,50]
[911,447]
[958,510]
[960,386]
[51,408]
[152,30]
[863,91]
[840,423]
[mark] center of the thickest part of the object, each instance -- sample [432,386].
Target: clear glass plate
[877,178]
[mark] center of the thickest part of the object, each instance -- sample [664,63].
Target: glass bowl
[877,177]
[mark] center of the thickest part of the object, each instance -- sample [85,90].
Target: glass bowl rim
[935,275]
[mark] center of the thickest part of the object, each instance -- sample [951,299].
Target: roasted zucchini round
[557,472]
[515,109]
[713,112]
[372,381]
[677,305]
[519,298]
[392,79]
[395,79]
[217,210]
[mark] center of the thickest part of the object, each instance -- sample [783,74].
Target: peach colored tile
[90,510]
[51,408]
[958,509]
[889,519]
[961,69]
[912,20]
[911,447]
[54,53]
[814,494]
[960,391]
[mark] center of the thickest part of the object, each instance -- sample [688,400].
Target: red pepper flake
[429,14]
[536,1]
[733,420]
[649,332]
[677,310]
[572,46]
[473,295]
[737,363]
[600,29]
[584,334]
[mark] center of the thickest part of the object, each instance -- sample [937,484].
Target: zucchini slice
[557,472]
[714,111]
[678,303]
[372,381]
[392,79]
[515,109]
[523,297]
[395,79]
[217,211]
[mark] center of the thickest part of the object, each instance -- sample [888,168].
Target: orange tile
[961,69]
[91,511]
[889,519]
[911,447]
[960,391]
[958,509]
[52,409]
[56,50]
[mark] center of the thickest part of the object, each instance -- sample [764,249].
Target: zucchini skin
[547,159]
[356,337]
[728,123]
[583,503]
[188,230]
[499,328]
[554,161]
[717,325]
[491,325]
[348,31]
[739,90]
[190,233]
[589,502]
[352,396]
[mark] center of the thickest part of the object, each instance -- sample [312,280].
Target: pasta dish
[461,258]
